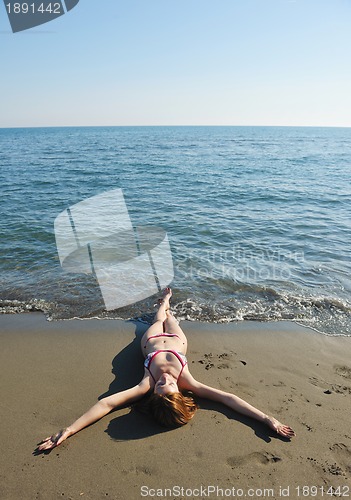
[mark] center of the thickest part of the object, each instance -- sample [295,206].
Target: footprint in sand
[342,454]
[216,361]
[255,457]
[330,388]
[343,371]
[140,469]
[338,463]
[279,384]
[341,389]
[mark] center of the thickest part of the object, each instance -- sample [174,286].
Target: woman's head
[166,384]
[172,409]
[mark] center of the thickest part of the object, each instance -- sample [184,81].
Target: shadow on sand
[127,367]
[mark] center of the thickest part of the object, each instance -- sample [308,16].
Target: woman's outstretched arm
[237,404]
[99,410]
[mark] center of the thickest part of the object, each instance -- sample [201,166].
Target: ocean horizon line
[15,127]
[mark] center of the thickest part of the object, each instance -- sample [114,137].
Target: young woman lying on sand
[166,377]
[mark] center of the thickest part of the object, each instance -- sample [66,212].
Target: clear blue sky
[181,62]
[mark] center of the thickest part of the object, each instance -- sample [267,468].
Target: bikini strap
[182,362]
[148,361]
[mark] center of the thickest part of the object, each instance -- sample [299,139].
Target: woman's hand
[279,428]
[54,440]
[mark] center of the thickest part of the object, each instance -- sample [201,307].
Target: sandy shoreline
[52,372]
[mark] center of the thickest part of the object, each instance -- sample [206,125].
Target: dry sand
[52,372]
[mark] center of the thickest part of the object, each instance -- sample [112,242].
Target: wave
[327,315]
[21,306]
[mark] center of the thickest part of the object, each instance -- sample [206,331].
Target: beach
[203,146]
[52,372]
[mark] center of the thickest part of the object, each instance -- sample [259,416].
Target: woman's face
[166,384]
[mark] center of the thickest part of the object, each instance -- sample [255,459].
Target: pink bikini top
[149,358]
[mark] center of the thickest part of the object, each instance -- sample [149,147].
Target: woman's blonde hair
[171,410]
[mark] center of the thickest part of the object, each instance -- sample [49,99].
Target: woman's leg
[160,316]
[171,325]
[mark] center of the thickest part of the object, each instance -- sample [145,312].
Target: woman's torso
[166,346]
[151,342]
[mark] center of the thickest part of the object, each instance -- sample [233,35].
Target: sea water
[258,218]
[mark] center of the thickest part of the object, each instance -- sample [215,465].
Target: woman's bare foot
[279,428]
[166,297]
